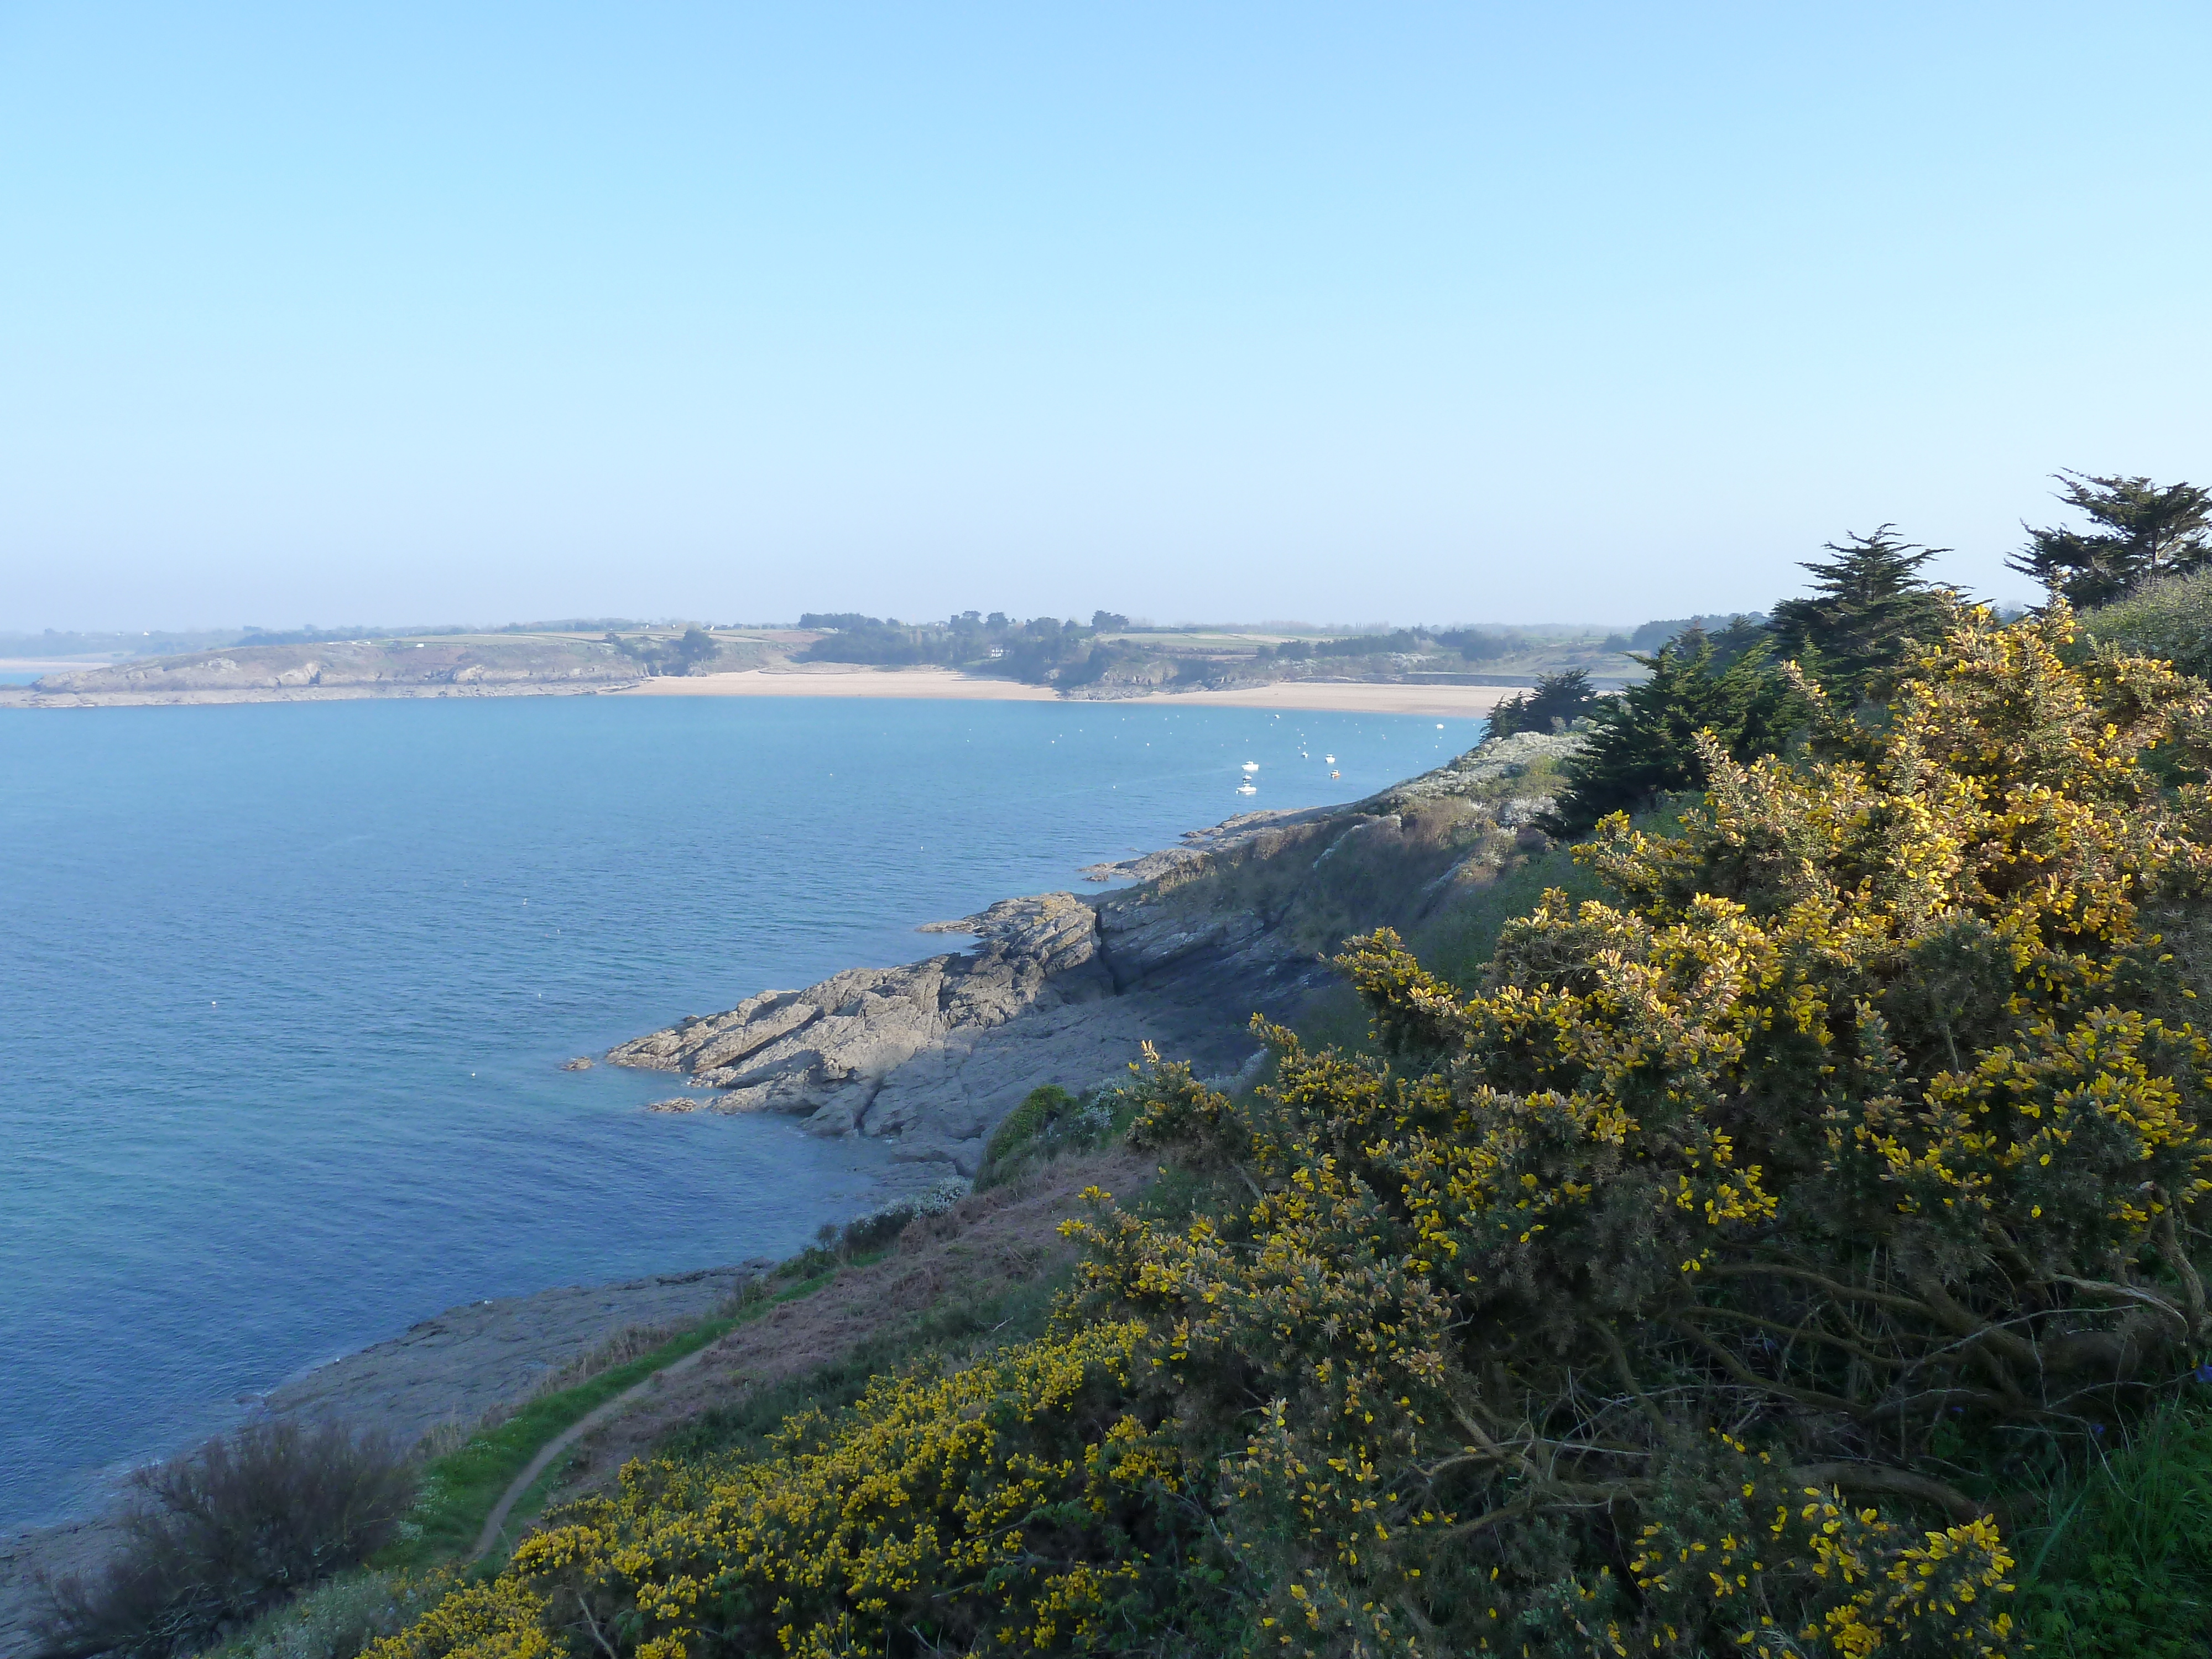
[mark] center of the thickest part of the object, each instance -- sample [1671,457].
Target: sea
[288,986]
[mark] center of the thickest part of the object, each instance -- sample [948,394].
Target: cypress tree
[1868,608]
[1560,697]
[2145,532]
[1642,744]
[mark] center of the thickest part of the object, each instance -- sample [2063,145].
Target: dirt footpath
[988,1243]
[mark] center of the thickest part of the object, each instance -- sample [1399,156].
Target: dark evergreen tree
[1868,608]
[2142,533]
[1563,698]
[1744,634]
[1732,634]
[1642,744]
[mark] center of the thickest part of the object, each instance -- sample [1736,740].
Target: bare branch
[1834,1287]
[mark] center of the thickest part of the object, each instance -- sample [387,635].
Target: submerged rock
[581,1063]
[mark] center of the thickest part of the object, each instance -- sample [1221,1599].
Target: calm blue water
[289,985]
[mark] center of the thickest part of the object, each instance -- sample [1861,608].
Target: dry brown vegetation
[990,1242]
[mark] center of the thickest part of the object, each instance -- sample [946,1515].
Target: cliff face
[1240,919]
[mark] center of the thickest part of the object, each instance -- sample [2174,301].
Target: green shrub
[218,1536]
[1049,1123]
[2171,619]
[1708,1280]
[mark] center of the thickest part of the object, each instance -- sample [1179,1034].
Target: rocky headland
[1241,918]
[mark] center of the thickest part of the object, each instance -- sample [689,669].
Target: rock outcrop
[828,1051]
[1240,919]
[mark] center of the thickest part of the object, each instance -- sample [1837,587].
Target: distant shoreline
[1338,696]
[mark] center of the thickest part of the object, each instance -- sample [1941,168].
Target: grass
[2123,1569]
[946,1331]
[460,1488]
[1456,946]
[527,1507]
[338,1619]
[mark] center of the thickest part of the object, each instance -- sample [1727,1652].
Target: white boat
[1328,760]
[1251,766]
[1246,789]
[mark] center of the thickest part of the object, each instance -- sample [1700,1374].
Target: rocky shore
[1064,988]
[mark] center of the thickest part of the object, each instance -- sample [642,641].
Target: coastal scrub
[1723,1273]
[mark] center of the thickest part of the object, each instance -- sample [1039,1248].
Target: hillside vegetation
[1109,658]
[1741,1265]
[2170,618]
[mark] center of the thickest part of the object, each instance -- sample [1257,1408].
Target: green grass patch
[2121,1567]
[1457,945]
[527,1507]
[460,1488]
[946,1332]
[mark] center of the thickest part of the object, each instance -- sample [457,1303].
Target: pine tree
[1644,742]
[1561,697]
[1868,608]
[2146,532]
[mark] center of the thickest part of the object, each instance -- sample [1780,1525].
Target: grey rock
[1239,919]
[826,1052]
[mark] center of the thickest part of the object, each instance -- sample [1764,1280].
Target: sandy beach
[1342,696]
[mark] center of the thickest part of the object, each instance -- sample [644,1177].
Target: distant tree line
[1476,645]
[690,654]
[1040,647]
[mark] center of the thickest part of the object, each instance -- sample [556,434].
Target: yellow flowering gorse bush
[1646,1300]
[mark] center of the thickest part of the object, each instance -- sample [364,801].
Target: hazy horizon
[362,629]
[1441,312]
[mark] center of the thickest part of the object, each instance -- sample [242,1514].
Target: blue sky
[409,312]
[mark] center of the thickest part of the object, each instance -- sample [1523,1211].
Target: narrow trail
[496,1523]
[987,1244]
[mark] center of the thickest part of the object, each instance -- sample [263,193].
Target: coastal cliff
[1240,919]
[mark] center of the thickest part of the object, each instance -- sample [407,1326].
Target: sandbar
[1342,696]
